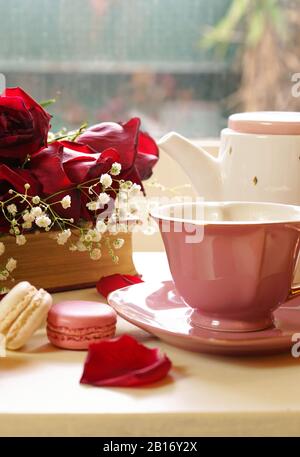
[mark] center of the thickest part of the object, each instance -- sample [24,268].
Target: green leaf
[46,103]
[257,25]
[223,32]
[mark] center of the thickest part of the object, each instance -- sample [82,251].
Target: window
[174,63]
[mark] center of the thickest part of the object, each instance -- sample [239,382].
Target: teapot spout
[201,167]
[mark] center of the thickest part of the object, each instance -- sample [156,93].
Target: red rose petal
[122,137]
[137,150]
[123,362]
[108,284]
[147,156]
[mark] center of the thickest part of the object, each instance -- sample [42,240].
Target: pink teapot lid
[266,122]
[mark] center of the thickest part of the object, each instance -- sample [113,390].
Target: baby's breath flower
[125,185]
[81,247]
[11,265]
[16,231]
[36,212]
[2,248]
[106,180]
[27,225]
[66,202]
[88,238]
[20,240]
[103,198]
[36,200]
[135,189]
[93,206]
[63,236]
[95,254]
[115,169]
[73,248]
[27,186]
[118,243]
[92,235]
[28,216]
[12,209]
[101,226]
[4,275]
[43,221]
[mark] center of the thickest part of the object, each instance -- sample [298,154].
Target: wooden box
[44,263]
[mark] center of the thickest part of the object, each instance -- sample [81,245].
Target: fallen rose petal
[108,284]
[123,362]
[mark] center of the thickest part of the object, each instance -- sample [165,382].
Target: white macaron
[22,311]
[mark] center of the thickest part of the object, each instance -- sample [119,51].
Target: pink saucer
[158,309]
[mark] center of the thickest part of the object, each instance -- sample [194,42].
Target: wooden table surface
[205,395]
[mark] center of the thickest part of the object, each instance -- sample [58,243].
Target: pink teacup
[232,262]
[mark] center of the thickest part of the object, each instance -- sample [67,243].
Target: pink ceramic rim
[267,123]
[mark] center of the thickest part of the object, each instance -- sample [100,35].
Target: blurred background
[178,64]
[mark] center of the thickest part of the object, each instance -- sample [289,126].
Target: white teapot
[258,160]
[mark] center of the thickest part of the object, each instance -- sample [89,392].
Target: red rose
[16,178]
[63,165]
[24,125]
[138,151]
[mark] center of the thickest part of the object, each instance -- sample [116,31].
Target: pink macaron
[76,324]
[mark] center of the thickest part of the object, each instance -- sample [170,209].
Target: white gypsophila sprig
[11,265]
[93,205]
[20,240]
[63,237]
[66,202]
[92,235]
[43,221]
[12,209]
[118,243]
[101,227]
[36,212]
[115,169]
[106,180]
[103,198]
[135,190]
[95,254]
[41,213]
[36,200]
